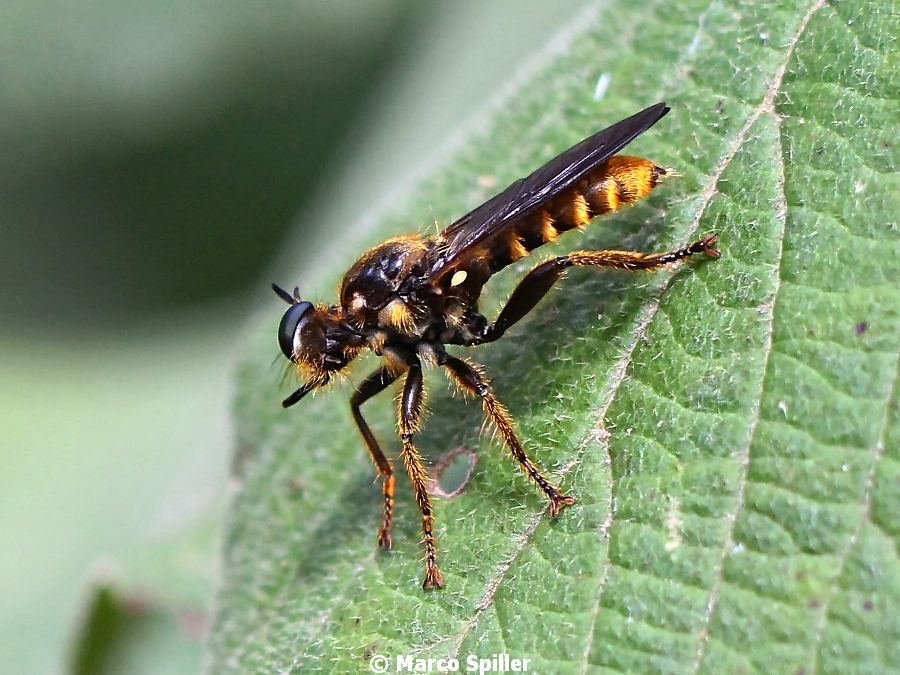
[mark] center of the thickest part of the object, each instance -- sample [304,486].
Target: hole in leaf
[452,472]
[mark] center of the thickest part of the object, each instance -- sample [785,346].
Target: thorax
[386,294]
[375,290]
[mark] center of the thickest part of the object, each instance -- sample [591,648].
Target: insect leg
[470,378]
[374,384]
[537,282]
[410,405]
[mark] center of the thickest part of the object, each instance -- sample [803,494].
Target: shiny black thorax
[389,297]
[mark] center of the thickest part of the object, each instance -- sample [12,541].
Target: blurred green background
[161,164]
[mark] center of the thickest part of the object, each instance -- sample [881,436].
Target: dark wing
[528,194]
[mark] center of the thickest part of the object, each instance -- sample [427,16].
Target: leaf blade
[687,435]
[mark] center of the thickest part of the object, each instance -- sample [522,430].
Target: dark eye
[287,329]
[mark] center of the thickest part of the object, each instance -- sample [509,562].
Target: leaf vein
[765,106]
[865,516]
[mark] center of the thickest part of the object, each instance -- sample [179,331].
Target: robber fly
[408,297]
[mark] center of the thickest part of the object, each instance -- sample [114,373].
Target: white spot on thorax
[458,277]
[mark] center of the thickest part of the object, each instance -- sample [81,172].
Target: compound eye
[287,329]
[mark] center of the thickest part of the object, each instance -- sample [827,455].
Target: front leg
[410,412]
[374,384]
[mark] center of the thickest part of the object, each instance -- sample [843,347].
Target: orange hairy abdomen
[618,181]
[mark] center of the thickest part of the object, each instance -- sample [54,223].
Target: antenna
[284,295]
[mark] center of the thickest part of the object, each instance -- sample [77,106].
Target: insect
[409,297]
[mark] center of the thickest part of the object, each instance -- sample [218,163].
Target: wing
[528,194]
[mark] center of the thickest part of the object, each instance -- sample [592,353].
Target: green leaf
[730,430]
